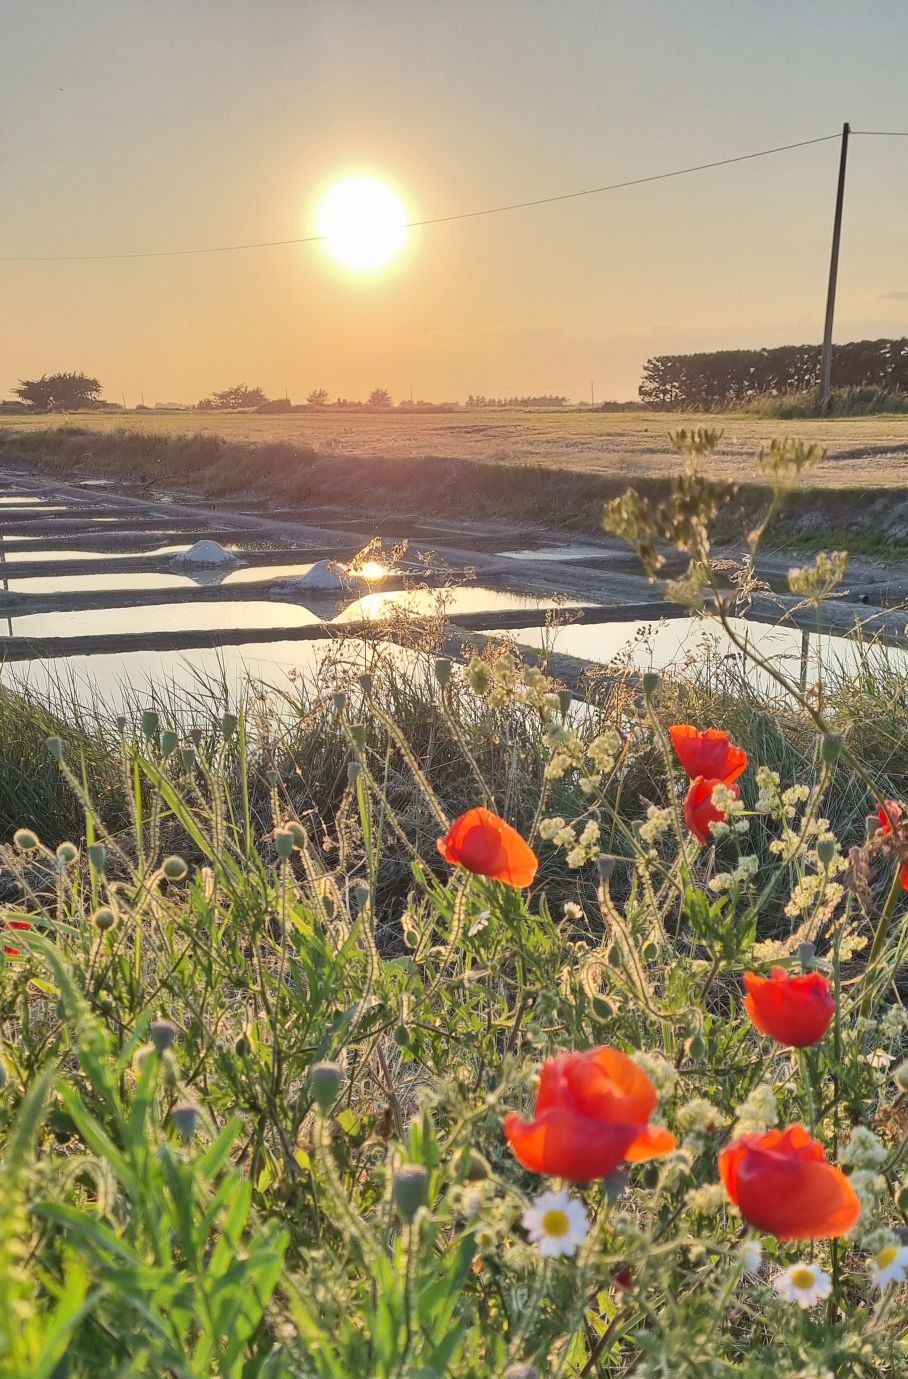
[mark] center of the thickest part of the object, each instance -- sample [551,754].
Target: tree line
[715,379]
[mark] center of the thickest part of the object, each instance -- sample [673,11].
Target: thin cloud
[894,296]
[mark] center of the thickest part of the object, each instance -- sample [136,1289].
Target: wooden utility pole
[826,363]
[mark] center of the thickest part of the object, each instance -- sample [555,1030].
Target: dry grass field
[863,452]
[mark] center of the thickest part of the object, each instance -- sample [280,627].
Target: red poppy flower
[16,924]
[699,810]
[708,753]
[890,814]
[592,1113]
[796,1011]
[782,1183]
[486,845]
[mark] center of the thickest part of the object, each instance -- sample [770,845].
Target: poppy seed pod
[325,1081]
[650,683]
[104,918]
[443,671]
[67,853]
[410,1190]
[54,747]
[149,723]
[229,722]
[830,748]
[97,855]
[169,742]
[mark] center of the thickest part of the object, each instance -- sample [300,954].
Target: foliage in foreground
[244,1134]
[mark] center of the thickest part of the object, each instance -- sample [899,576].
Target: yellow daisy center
[556,1223]
[803,1277]
[887,1257]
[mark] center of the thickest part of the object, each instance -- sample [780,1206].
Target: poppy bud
[54,746]
[358,735]
[163,1033]
[564,702]
[97,855]
[149,723]
[603,1008]
[366,682]
[187,758]
[196,735]
[650,683]
[826,851]
[26,840]
[229,723]
[443,671]
[401,1036]
[174,868]
[830,748]
[169,742]
[354,770]
[410,1190]
[297,833]
[696,1046]
[283,841]
[325,1082]
[340,701]
[104,918]
[185,1117]
[605,866]
[67,853]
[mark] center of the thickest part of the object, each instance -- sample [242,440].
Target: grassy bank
[259,1039]
[208,465]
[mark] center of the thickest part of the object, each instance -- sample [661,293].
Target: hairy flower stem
[879,939]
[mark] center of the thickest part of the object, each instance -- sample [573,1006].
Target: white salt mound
[325,577]
[206,553]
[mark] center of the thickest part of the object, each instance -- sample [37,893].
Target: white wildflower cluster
[893,1024]
[580,849]
[657,822]
[864,1149]
[814,895]
[587,846]
[769,799]
[572,910]
[501,681]
[659,1071]
[871,1189]
[556,830]
[818,580]
[603,750]
[566,746]
[757,1113]
[708,1200]
[768,950]
[699,1119]
[851,942]
[744,872]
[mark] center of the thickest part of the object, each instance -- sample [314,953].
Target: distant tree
[318,397]
[62,392]
[233,399]
[379,397]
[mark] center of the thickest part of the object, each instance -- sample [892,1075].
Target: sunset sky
[166,124]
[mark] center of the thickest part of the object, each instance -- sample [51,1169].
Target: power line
[883,133]
[418,224]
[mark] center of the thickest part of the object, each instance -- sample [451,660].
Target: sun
[364,224]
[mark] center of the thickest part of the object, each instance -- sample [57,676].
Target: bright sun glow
[364,222]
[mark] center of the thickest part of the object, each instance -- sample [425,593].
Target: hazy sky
[156,124]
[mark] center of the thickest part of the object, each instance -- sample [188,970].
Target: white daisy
[804,1284]
[751,1256]
[889,1266]
[556,1223]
